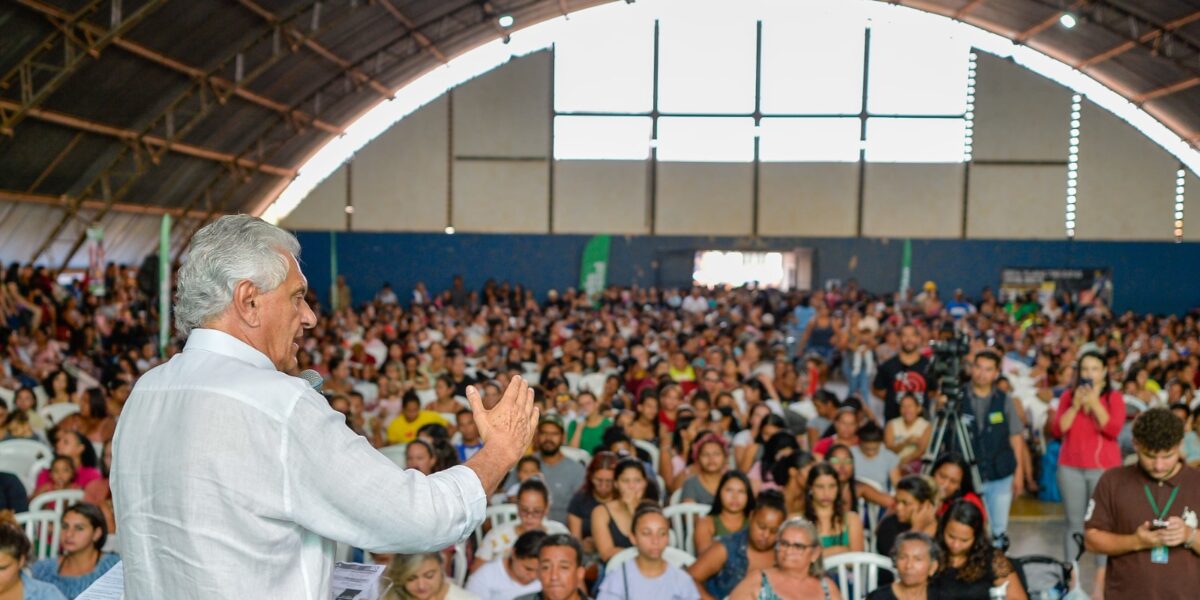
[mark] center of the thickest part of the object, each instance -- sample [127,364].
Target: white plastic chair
[683,522]
[676,497]
[25,459]
[55,413]
[42,529]
[650,449]
[56,501]
[426,396]
[871,511]
[460,564]
[497,515]
[397,454]
[861,568]
[673,556]
[573,380]
[593,382]
[577,454]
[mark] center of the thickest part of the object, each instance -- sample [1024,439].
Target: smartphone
[1156,524]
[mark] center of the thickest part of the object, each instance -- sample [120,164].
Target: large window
[811,85]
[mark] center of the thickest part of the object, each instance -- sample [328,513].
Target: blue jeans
[998,497]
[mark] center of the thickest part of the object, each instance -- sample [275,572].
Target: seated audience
[648,575]
[597,489]
[560,569]
[587,431]
[908,435]
[62,477]
[839,528]
[917,558]
[791,475]
[15,580]
[710,459]
[612,520]
[82,562]
[533,502]
[725,564]
[732,506]
[412,417]
[916,510]
[970,565]
[422,577]
[798,570]
[872,461]
[515,575]
[953,479]
[79,449]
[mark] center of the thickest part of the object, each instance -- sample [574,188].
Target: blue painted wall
[1147,276]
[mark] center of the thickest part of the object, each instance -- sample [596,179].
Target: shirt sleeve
[341,488]
[1014,419]
[1100,507]
[1115,402]
[1064,403]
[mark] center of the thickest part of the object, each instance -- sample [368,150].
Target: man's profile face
[524,570]
[1158,464]
[284,315]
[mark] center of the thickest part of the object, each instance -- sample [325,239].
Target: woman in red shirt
[1088,419]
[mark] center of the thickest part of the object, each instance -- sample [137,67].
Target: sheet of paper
[355,581]
[110,586]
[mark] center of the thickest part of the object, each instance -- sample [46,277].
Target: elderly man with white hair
[234,479]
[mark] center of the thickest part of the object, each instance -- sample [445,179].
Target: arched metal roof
[205,107]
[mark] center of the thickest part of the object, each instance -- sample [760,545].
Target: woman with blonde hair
[798,568]
[422,577]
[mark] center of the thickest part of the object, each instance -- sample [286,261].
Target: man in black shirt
[902,373]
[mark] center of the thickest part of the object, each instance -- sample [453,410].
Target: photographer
[1143,516]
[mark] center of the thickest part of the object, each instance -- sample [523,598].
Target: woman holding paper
[422,577]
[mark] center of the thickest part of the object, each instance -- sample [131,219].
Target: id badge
[1158,555]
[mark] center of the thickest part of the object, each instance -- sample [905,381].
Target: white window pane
[812,65]
[916,69]
[597,71]
[706,66]
[915,140]
[809,140]
[611,138]
[706,139]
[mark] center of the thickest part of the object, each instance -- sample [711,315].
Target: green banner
[593,271]
[906,269]
[164,286]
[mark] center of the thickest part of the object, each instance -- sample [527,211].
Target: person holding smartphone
[1088,420]
[1143,516]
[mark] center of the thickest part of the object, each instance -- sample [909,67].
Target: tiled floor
[1038,528]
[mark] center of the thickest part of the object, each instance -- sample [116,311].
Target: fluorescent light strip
[1180,183]
[538,36]
[969,121]
[1073,165]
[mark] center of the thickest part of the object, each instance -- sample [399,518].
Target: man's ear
[247,303]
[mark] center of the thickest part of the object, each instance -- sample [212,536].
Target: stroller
[1047,578]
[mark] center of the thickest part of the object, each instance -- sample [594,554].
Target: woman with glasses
[798,570]
[725,564]
[533,501]
[840,529]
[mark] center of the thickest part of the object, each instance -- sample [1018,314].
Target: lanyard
[1154,505]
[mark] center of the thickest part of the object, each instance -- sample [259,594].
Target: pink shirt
[1086,445]
[83,476]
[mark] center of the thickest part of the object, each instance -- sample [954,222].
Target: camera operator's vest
[993,452]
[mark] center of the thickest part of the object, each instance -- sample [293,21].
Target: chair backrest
[673,556]
[577,454]
[55,413]
[41,527]
[870,512]
[25,459]
[573,380]
[683,522]
[459,573]
[396,453]
[676,497]
[497,515]
[593,382]
[56,501]
[857,571]
[650,449]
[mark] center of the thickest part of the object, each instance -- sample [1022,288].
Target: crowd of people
[803,422]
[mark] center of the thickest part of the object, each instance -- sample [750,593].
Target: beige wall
[501,180]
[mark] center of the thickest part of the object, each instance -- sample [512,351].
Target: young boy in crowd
[872,460]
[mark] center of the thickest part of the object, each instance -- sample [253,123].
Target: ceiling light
[449,230]
[506,21]
[1067,20]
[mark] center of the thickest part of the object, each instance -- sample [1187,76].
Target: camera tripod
[949,419]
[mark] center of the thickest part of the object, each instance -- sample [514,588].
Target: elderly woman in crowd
[798,571]
[916,557]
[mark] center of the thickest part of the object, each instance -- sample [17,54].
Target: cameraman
[995,428]
[1143,516]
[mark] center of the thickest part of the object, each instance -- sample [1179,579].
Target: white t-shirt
[875,468]
[491,582]
[499,540]
[673,584]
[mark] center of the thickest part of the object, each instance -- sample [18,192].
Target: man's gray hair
[225,252]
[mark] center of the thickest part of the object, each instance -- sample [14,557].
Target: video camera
[945,368]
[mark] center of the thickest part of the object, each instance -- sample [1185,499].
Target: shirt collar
[219,342]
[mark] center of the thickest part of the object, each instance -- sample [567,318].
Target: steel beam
[320,50]
[54,163]
[1149,36]
[163,60]
[60,54]
[95,203]
[1025,35]
[81,124]
[411,25]
[192,106]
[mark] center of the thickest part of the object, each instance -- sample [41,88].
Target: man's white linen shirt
[232,480]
